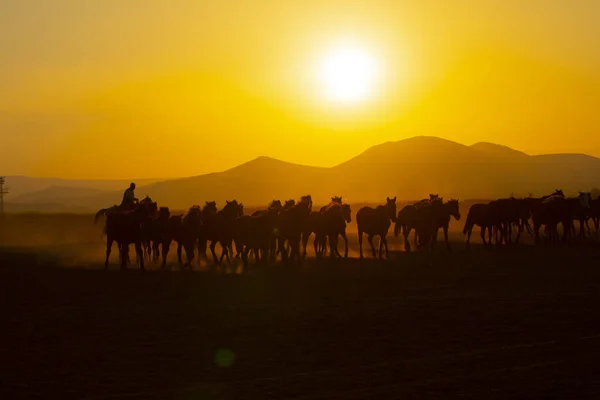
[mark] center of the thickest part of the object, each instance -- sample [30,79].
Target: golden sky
[149,88]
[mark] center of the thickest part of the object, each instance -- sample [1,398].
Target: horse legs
[360,239]
[109,243]
[469,232]
[166,246]
[387,253]
[483,229]
[343,233]
[179,258]
[155,251]
[225,252]
[213,244]
[140,253]
[446,238]
[124,251]
[305,236]
[380,252]
[188,247]
[333,246]
[406,233]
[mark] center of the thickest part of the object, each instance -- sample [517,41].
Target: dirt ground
[519,322]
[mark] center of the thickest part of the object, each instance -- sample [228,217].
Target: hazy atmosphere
[106,89]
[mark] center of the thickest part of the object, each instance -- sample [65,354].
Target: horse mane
[275,203]
[164,212]
[210,206]
[289,203]
[195,209]
[306,198]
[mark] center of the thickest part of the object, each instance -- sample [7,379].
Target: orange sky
[137,88]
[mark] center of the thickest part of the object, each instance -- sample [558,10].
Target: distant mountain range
[409,169]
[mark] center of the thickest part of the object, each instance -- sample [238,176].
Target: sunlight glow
[348,74]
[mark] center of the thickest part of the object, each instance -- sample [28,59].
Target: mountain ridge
[409,168]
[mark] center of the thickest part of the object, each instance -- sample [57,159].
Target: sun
[348,74]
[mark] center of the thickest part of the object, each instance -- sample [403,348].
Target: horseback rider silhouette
[129,199]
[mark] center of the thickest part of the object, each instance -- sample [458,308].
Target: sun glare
[348,74]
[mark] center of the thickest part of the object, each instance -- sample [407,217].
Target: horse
[157,232]
[334,200]
[254,233]
[555,209]
[290,225]
[432,217]
[185,230]
[209,211]
[219,227]
[335,218]
[406,220]
[376,222]
[479,214]
[583,213]
[274,206]
[124,227]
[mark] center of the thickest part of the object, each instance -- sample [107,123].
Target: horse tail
[99,214]
[468,223]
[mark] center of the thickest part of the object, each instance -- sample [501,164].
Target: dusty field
[511,323]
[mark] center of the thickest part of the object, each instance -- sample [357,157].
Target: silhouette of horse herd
[283,230]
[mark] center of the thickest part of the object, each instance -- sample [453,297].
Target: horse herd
[283,230]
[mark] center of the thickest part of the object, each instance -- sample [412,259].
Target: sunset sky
[148,88]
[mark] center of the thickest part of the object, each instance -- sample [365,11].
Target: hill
[22,185]
[409,169]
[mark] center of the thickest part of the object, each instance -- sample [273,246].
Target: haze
[111,89]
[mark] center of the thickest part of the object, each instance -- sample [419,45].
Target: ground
[496,323]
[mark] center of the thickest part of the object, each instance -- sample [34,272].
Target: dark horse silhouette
[316,224]
[125,228]
[479,214]
[255,233]
[219,227]
[335,217]
[407,219]
[433,216]
[290,226]
[376,222]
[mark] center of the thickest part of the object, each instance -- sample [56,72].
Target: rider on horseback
[129,199]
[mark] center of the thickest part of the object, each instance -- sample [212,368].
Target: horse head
[231,209]
[454,208]
[210,207]
[346,212]
[289,204]
[584,199]
[391,208]
[276,204]
[164,213]
[336,199]
[308,200]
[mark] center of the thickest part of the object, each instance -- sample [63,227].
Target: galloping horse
[219,227]
[376,222]
[255,233]
[290,225]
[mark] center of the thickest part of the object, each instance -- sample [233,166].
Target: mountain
[57,194]
[409,169]
[21,185]
[497,151]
